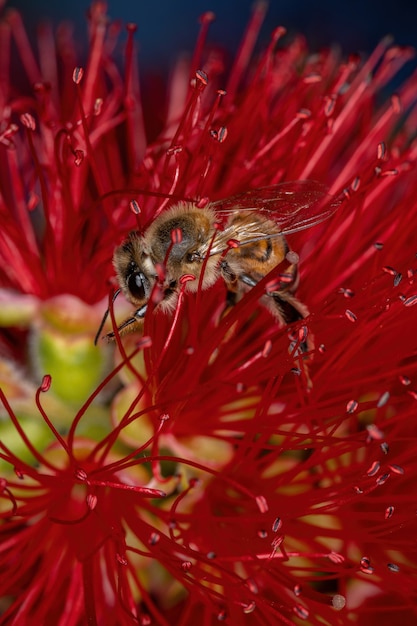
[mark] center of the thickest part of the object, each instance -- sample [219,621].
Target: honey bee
[240,239]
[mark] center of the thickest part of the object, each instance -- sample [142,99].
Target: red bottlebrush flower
[230,467]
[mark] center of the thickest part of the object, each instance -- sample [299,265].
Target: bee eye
[138,285]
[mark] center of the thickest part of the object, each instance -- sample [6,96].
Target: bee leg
[231,281]
[105,316]
[292,310]
[286,306]
[231,299]
[132,323]
[248,280]
[288,309]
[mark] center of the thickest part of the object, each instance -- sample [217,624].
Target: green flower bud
[63,346]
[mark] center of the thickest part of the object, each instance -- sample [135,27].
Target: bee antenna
[105,316]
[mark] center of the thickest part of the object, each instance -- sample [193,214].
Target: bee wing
[292,206]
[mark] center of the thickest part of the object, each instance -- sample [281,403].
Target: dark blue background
[166,27]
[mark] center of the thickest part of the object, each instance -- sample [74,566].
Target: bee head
[134,269]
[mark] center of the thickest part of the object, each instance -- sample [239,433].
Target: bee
[240,239]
